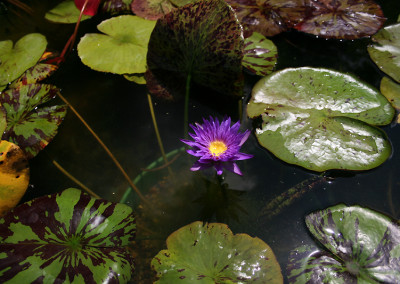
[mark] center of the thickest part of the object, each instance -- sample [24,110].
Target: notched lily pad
[121,49]
[14,175]
[16,59]
[67,237]
[151,9]
[66,12]
[386,52]
[29,126]
[260,54]
[342,19]
[321,119]
[202,41]
[210,253]
[361,246]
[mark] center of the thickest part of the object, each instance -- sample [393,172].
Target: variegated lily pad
[66,12]
[321,119]
[386,52]
[210,253]
[14,175]
[15,60]
[343,19]
[152,9]
[34,74]
[68,237]
[30,126]
[260,54]
[201,42]
[362,246]
[121,49]
[116,6]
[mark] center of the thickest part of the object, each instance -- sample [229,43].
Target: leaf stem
[110,154]
[186,107]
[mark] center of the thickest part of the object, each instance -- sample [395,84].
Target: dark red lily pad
[202,41]
[342,19]
[90,8]
[151,9]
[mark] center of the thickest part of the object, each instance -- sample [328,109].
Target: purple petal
[232,167]
[243,156]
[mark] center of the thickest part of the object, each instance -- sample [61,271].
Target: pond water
[118,111]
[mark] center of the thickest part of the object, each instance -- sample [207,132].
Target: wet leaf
[14,175]
[15,60]
[68,237]
[66,12]
[362,246]
[386,52]
[321,119]
[202,40]
[268,17]
[30,126]
[342,19]
[260,54]
[121,49]
[151,9]
[212,254]
[90,8]
[34,74]
[116,6]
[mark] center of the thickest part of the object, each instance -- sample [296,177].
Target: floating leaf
[16,60]
[29,126]
[121,49]
[66,12]
[14,175]
[362,246]
[391,91]
[116,6]
[212,254]
[268,17]
[319,119]
[151,9]
[137,78]
[386,53]
[260,54]
[67,237]
[202,41]
[89,7]
[35,74]
[343,19]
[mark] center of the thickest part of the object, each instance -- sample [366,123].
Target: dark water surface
[118,111]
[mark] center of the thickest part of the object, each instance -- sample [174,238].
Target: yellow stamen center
[217,148]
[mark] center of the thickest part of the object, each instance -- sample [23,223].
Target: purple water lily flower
[217,145]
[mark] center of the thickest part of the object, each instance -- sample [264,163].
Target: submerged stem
[186,107]
[71,177]
[110,154]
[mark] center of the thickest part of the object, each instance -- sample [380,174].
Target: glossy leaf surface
[14,175]
[342,19]
[260,54]
[16,59]
[30,126]
[66,12]
[203,40]
[362,246]
[321,119]
[67,237]
[121,49]
[212,254]
[151,9]
[90,8]
[386,52]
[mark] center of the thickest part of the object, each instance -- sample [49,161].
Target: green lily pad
[68,237]
[260,54]
[66,12]
[391,91]
[321,119]
[137,78]
[202,41]
[362,246]
[29,126]
[210,253]
[386,53]
[342,19]
[121,49]
[16,60]
[151,9]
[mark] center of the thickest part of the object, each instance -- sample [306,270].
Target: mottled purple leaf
[151,9]
[30,126]
[67,237]
[344,19]
[35,74]
[202,41]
